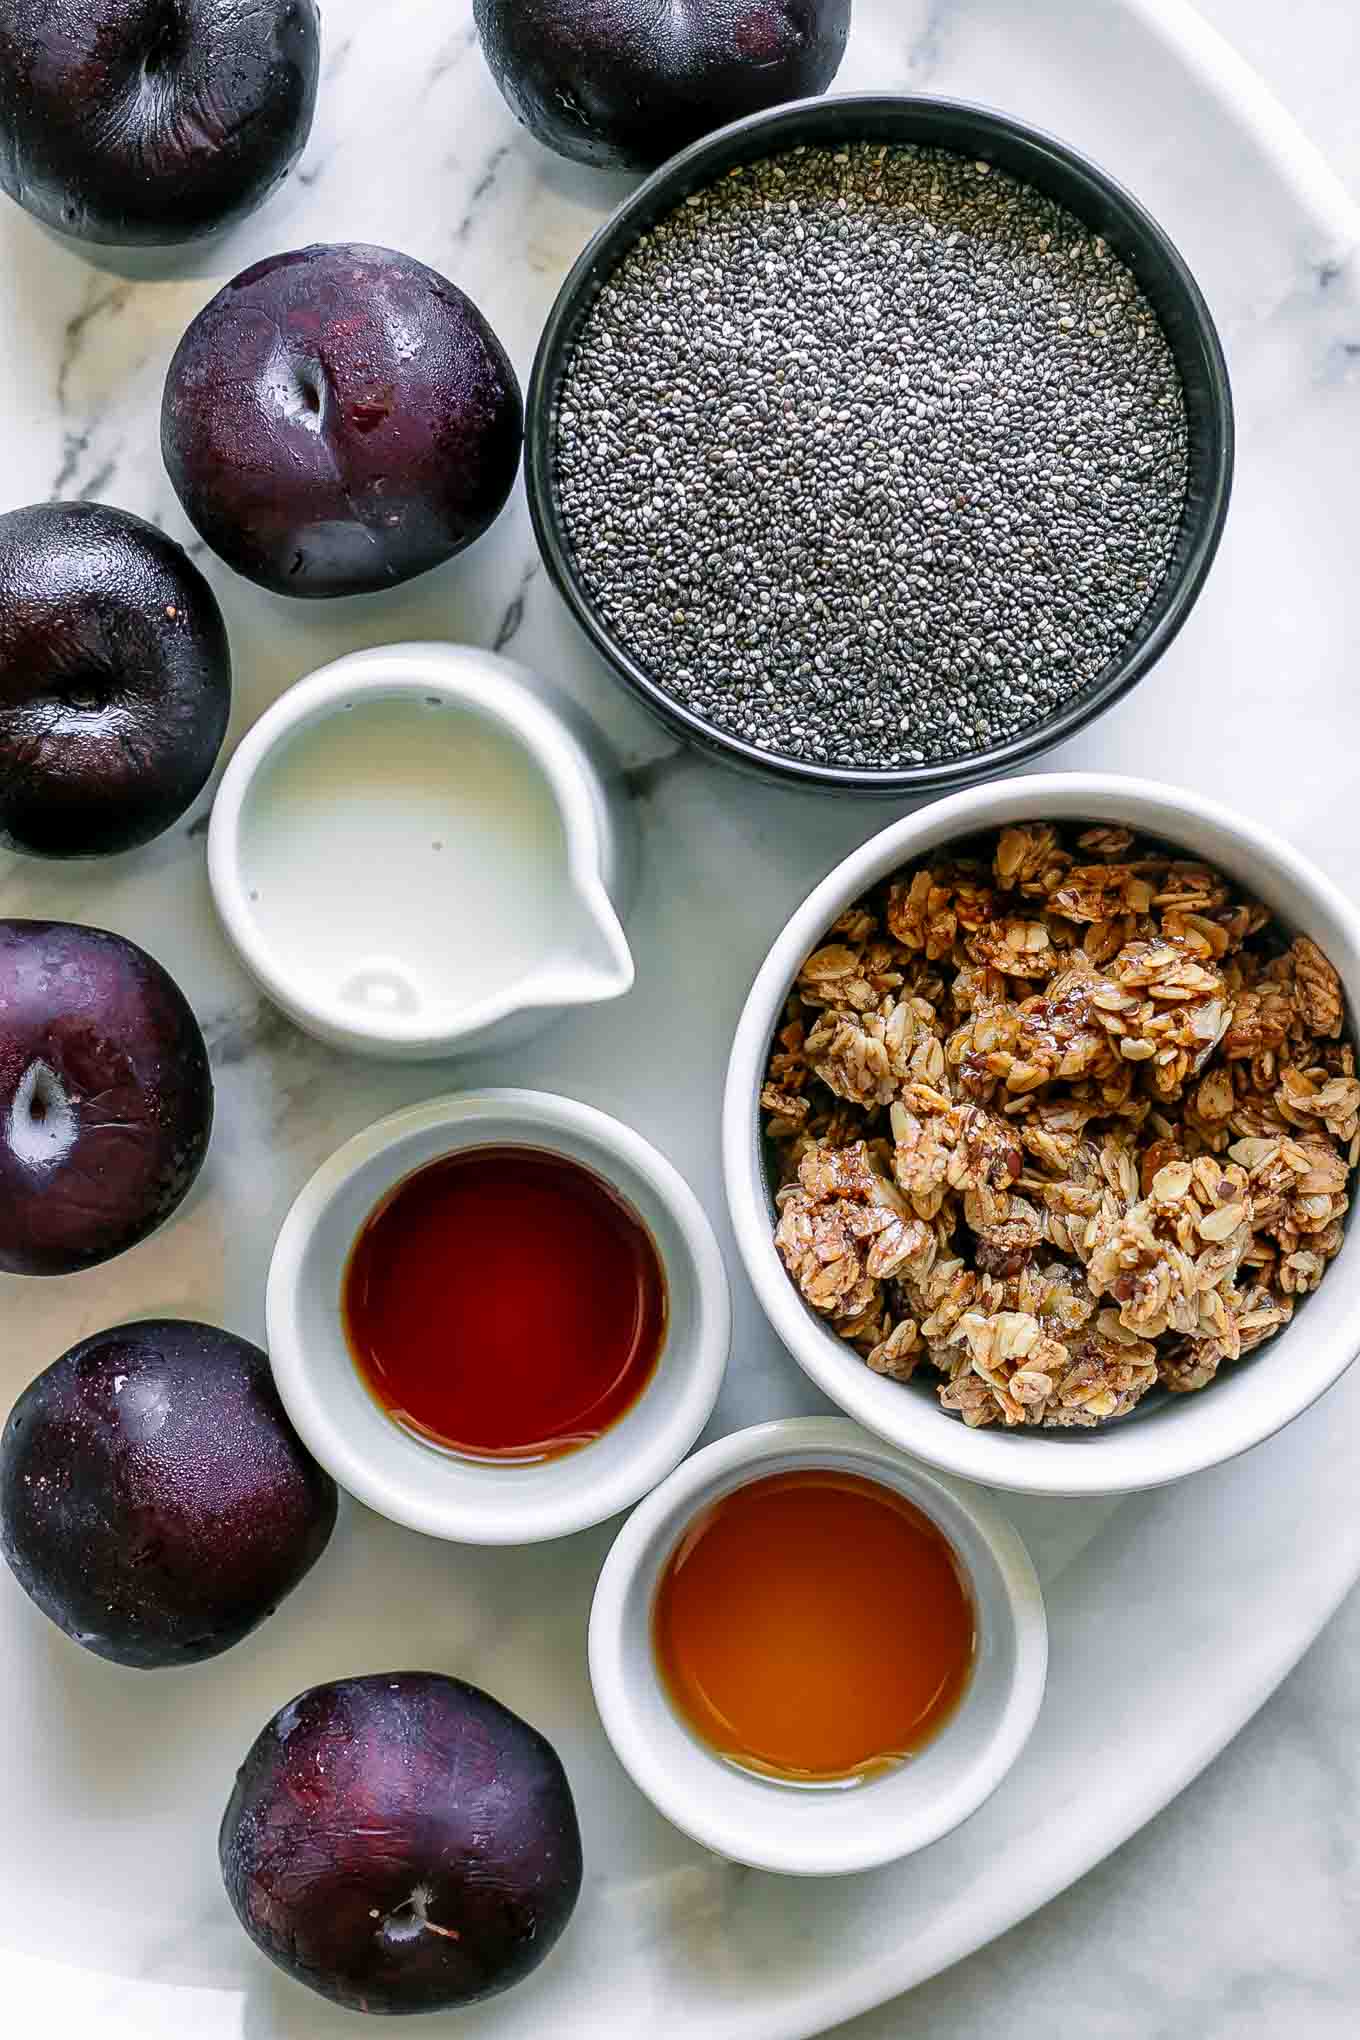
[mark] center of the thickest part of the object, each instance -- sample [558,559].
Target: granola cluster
[1065,1118]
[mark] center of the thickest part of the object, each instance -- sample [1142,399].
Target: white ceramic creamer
[417,851]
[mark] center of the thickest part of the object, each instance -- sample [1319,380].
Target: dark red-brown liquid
[505,1304]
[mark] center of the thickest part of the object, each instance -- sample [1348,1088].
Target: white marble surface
[1244,1920]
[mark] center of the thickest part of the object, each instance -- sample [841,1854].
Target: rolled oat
[1064,1117]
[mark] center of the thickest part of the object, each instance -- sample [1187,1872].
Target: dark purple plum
[115,680]
[402,1843]
[625,83]
[340,419]
[148,122]
[155,1501]
[106,1098]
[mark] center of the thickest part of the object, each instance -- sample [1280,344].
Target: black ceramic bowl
[1051,167]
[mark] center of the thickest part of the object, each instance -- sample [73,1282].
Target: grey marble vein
[480,192]
[646,780]
[92,489]
[74,445]
[926,49]
[236,1036]
[449,55]
[512,616]
[336,57]
[101,301]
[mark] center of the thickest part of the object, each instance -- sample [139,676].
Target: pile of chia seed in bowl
[872,456]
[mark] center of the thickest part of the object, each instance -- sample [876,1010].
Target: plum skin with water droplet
[129,1096]
[339,419]
[146,123]
[155,1501]
[115,680]
[401,1842]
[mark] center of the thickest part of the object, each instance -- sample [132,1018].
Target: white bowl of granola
[1039,1129]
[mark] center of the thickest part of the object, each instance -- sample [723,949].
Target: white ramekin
[1166,1437]
[780,1827]
[591,962]
[416,1483]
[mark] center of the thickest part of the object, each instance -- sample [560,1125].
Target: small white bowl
[418,1484]
[1165,1438]
[423,850]
[772,1826]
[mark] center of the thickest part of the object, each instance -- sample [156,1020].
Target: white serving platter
[1172,1615]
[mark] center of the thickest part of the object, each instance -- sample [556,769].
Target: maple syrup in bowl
[814,1627]
[811,1654]
[498,1317]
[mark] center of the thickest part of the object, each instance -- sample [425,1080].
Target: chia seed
[872,456]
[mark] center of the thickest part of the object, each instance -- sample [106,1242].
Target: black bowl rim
[809,120]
